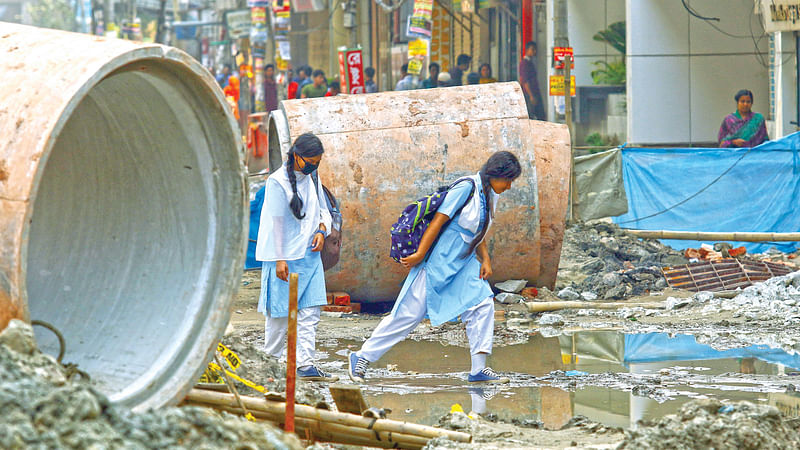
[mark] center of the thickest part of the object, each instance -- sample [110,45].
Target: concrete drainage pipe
[122,206]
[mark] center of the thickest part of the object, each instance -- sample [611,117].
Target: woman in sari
[743,128]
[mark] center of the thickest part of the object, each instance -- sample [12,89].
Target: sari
[752,130]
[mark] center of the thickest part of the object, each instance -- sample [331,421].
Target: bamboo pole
[322,415]
[338,433]
[536,307]
[716,236]
[291,353]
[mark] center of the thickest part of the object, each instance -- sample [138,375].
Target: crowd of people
[306,82]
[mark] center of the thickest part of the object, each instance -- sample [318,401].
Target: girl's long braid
[487,207]
[296,203]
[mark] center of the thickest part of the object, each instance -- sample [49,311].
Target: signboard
[560,54]
[301,6]
[418,47]
[557,85]
[420,22]
[780,15]
[238,23]
[415,67]
[258,30]
[351,71]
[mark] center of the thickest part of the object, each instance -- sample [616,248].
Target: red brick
[737,251]
[330,298]
[341,300]
[530,292]
[341,309]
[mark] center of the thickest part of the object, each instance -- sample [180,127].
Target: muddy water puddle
[610,377]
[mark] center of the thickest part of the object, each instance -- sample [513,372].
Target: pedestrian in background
[270,88]
[449,273]
[407,82]
[486,74]
[308,79]
[473,78]
[317,88]
[294,85]
[457,72]
[294,224]
[223,75]
[743,128]
[444,80]
[530,84]
[333,89]
[433,76]
[370,87]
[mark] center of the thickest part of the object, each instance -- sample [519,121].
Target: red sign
[560,55]
[351,71]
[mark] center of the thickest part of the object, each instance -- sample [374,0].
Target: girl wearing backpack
[294,224]
[449,272]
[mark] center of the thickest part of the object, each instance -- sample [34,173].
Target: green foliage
[614,36]
[601,142]
[613,73]
[57,14]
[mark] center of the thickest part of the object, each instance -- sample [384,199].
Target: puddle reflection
[425,379]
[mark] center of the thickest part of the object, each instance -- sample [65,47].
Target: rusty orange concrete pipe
[122,205]
[385,150]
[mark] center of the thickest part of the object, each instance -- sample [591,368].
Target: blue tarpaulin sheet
[716,190]
[255,220]
[652,347]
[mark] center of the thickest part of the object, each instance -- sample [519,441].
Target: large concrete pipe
[385,150]
[122,205]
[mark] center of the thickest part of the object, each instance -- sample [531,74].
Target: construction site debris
[709,423]
[508,298]
[512,286]
[600,258]
[43,408]
[722,274]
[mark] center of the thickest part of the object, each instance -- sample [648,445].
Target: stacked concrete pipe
[385,150]
[122,206]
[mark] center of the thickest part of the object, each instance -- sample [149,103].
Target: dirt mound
[42,408]
[599,258]
[703,424]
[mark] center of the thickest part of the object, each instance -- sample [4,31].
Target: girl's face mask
[309,167]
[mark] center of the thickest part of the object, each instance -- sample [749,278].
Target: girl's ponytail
[295,204]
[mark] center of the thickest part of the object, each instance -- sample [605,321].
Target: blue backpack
[411,225]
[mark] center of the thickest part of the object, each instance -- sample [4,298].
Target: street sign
[351,71]
[238,23]
[780,15]
[560,54]
[557,85]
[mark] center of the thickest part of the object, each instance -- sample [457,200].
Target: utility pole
[561,35]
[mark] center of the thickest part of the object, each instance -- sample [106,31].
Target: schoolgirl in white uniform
[294,223]
[452,281]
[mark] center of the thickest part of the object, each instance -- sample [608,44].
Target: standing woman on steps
[449,272]
[294,224]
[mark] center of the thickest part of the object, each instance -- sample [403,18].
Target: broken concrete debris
[43,409]
[512,286]
[709,423]
[508,298]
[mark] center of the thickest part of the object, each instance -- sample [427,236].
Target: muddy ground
[557,373]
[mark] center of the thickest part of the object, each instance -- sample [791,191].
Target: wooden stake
[291,353]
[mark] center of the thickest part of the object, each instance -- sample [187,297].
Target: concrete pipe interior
[137,226]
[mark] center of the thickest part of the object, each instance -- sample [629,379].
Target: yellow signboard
[417,48]
[557,85]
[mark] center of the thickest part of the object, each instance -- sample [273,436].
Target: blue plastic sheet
[652,347]
[717,190]
[255,220]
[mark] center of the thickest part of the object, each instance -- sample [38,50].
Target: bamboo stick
[536,307]
[335,432]
[716,236]
[263,405]
[291,353]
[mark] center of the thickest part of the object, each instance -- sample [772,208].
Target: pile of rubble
[42,407]
[600,260]
[703,424]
